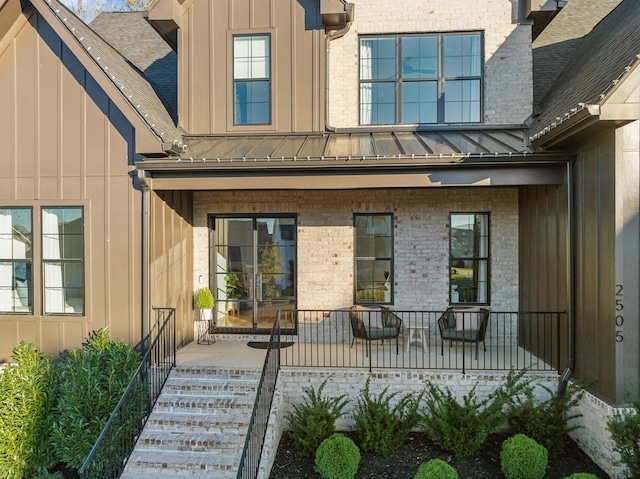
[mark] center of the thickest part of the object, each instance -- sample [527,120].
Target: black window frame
[476,259]
[440,79]
[236,81]
[63,262]
[27,262]
[374,259]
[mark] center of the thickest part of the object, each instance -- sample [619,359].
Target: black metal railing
[511,340]
[257,430]
[111,451]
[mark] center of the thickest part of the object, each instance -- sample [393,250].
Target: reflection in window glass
[16,287]
[421,79]
[63,260]
[374,258]
[469,258]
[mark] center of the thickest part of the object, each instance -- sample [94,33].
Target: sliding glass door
[253,264]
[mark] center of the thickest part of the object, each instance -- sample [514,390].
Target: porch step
[198,425]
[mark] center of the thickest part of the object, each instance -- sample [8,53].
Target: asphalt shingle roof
[604,57]
[134,87]
[131,34]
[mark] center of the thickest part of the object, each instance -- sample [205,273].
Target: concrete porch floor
[222,353]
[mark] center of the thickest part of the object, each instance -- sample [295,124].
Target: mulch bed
[418,449]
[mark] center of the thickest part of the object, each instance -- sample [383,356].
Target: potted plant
[204,302]
[234,292]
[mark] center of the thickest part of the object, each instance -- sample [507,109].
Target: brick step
[183,464]
[192,441]
[192,422]
[211,372]
[211,386]
[210,405]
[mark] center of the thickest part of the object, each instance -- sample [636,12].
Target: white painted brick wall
[507,51]
[421,240]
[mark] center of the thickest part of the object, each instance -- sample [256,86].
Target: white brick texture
[421,239]
[507,52]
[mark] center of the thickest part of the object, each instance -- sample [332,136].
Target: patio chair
[468,325]
[374,324]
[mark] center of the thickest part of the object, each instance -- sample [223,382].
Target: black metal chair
[472,330]
[374,324]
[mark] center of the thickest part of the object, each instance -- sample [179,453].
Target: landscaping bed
[418,449]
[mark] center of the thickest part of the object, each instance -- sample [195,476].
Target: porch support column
[146,251]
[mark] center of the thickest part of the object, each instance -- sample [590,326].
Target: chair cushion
[369,316]
[467,319]
[382,333]
[460,335]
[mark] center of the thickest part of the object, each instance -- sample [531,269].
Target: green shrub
[625,431]
[545,422]
[381,427]
[523,458]
[25,418]
[313,420]
[463,428]
[582,475]
[204,298]
[436,469]
[337,457]
[92,380]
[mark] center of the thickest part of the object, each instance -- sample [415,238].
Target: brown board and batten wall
[205,40]
[66,144]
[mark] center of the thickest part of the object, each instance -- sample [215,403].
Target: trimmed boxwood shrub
[523,458]
[436,469]
[582,475]
[625,432]
[25,405]
[337,457]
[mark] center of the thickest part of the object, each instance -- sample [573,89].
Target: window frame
[373,259]
[63,261]
[268,79]
[474,258]
[440,79]
[28,261]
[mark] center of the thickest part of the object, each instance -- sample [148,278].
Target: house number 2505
[619,314]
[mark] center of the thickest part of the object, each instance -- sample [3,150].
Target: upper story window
[252,79]
[421,79]
[469,258]
[16,286]
[63,260]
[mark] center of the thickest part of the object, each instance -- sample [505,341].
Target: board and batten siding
[205,82]
[65,143]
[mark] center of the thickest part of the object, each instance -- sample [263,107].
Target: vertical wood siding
[297,55]
[66,144]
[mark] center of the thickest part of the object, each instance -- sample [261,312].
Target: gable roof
[605,58]
[134,38]
[133,87]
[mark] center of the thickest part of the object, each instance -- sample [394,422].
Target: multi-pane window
[63,260]
[420,79]
[16,287]
[469,258]
[373,258]
[251,79]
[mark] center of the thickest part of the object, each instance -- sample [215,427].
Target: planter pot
[206,314]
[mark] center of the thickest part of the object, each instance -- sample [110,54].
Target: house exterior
[317,154]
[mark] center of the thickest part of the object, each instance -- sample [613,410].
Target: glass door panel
[254,264]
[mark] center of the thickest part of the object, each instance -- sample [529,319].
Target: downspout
[564,379]
[146,251]
[327,39]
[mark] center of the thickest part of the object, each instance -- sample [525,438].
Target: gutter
[349,8]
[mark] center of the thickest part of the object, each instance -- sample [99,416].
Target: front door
[253,265]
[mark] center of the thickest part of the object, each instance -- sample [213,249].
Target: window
[63,260]
[16,287]
[374,258]
[420,79]
[469,258]
[251,80]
